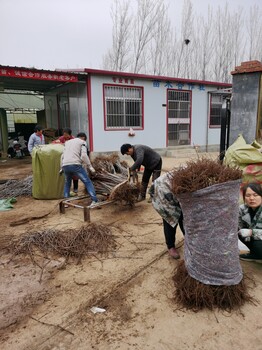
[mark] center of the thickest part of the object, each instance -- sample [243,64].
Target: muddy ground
[48,305]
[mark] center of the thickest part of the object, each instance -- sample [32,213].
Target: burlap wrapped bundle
[210,275]
[211,241]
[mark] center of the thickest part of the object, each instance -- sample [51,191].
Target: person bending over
[166,204]
[74,154]
[146,156]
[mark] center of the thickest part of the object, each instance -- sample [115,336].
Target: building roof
[39,80]
[13,101]
[151,77]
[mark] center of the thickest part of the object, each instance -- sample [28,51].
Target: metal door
[178,117]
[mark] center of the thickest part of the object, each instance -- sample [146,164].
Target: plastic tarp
[7,204]
[47,182]
[247,157]
[211,241]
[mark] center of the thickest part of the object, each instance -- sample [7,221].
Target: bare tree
[254,30]
[203,47]
[144,31]
[117,58]
[159,45]
[183,44]
[221,42]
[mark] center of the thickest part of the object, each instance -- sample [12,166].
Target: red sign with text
[27,74]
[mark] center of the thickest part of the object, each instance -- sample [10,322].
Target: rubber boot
[142,195]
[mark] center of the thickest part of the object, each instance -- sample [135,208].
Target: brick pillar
[246,114]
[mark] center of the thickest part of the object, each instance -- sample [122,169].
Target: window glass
[215,110]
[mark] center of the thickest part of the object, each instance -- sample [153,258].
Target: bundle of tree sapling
[210,275]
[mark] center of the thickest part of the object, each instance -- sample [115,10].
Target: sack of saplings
[210,275]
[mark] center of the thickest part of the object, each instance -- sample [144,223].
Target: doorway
[178,117]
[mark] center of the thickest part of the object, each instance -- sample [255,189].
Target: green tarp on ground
[47,183]
[247,157]
[7,204]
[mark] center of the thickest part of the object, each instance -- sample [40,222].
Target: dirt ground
[50,308]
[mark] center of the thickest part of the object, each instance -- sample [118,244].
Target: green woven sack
[47,182]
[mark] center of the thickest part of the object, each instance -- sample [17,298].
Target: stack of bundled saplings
[210,276]
[110,173]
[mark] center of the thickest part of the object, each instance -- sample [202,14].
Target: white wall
[154,132]
[201,133]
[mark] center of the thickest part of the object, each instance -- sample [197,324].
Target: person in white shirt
[37,138]
[74,154]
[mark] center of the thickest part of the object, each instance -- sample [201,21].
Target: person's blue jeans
[79,171]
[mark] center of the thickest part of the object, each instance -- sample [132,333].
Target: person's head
[38,129]
[252,195]
[82,136]
[67,132]
[126,148]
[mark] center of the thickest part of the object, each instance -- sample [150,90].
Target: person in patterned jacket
[250,222]
[166,204]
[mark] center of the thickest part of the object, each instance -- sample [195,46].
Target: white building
[162,111]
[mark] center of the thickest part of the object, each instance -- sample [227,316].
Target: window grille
[179,109]
[123,107]
[178,104]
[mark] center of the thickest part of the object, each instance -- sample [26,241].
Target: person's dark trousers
[75,185]
[147,174]
[170,232]
[255,247]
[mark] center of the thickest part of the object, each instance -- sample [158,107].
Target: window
[123,107]
[178,104]
[215,110]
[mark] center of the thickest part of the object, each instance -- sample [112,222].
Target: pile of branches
[16,188]
[126,193]
[111,172]
[202,173]
[195,296]
[111,164]
[104,182]
[74,243]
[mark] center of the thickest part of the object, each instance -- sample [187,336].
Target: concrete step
[174,154]
[189,152]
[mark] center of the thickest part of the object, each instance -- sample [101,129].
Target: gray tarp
[211,240]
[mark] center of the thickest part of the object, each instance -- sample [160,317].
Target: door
[178,117]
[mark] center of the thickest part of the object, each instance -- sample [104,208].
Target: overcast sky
[52,34]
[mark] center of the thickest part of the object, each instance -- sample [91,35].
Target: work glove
[132,172]
[92,170]
[245,232]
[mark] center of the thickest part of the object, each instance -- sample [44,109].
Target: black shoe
[250,257]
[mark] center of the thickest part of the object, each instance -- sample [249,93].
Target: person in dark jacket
[146,156]
[250,222]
